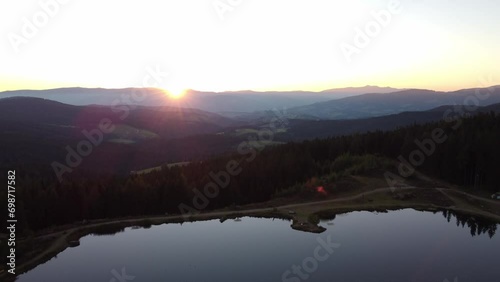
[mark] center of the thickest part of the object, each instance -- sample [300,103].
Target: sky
[224,45]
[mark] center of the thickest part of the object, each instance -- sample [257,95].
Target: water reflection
[478,225]
[403,246]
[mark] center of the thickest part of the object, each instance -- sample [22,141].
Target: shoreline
[299,221]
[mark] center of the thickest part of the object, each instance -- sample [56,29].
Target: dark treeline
[477,225]
[469,157]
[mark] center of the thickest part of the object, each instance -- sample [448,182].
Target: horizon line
[249,90]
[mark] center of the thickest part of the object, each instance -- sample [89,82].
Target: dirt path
[344,199]
[491,201]
[477,211]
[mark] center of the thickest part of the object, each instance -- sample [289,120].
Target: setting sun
[175,92]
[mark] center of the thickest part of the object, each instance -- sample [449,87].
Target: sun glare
[175,92]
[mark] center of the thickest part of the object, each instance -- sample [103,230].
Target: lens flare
[175,92]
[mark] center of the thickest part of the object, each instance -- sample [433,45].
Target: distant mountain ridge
[167,122]
[376,104]
[363,90]
[309,129]
[219,102]
[342,103]
[38,131]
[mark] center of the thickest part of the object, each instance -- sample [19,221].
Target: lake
[398,246]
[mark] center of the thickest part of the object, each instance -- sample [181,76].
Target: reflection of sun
[175,92]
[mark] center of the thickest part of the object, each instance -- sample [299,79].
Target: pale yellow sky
[219,45]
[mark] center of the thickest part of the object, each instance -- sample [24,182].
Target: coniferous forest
[468,157]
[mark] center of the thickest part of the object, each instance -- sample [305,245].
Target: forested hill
[467,156]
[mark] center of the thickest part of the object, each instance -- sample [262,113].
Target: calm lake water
[398,246]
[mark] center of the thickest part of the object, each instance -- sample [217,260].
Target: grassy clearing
[347,174]
[245,131]
[158,168]
[122,141]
